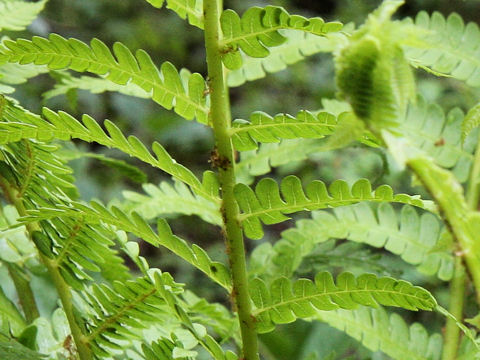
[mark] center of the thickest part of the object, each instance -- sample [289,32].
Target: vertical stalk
[473,190]
[455,307]
[63,289]
[24,292]
[224,159]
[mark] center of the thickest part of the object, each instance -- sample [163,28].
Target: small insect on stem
[218,161]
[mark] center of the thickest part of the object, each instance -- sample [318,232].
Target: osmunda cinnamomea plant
[108,310]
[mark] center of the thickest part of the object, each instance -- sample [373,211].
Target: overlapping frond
[16,15]
[267,129]
[257,30]
[284,301]
[298,46]
[267,206]
[448,47]
[186,94]
[135,224]
[62,126]
[417,239]
[186,9]
[95,85]
[377,330]
[439,136]
[168,199]
[116,313]
[15,74]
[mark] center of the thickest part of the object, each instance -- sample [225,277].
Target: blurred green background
[302,86]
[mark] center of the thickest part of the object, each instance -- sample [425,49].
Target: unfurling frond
[17,15]
[185,95]
[447,47]
[284,301]
[135,224]
[62,126]
[265,204]
[186,9]
[257,30]
[266,129]
[377,330]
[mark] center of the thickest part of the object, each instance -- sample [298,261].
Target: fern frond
[168,199]
[136,225]
[117,313]
[15,74]
[23,125]
[257,30]
[377,330]
[439,136]
[95,85]
[297,47]
[186,9]
[418,239]
[165,86]
[471,121]
[448,46]
[11,319]
[17,15]
[266,205]
[264,128]
[13,350]
[283,302]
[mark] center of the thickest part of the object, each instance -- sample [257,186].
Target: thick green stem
[455,307]
[25,293]
[224,160]
[473,190]
[63,289]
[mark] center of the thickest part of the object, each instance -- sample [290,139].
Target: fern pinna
[341,267]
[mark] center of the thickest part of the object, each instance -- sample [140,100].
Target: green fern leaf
[471,121]
[13,350]
[10,316]
[296,48]
[376,330]
[419,240]
[266,205]
[135,224]
[93,85]
[439,136]
[17,15]
[64,127]
[165,86]
[284,302]
[257,30]
[447,46]
[168,199]
[267,129]
[15,74]
[191,9]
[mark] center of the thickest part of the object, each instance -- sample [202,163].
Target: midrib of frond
[385,337]
[228,41]
[29,169]
[119,314]
[310,298]
[138,79]
[297,126]
[69,243]
[313,205]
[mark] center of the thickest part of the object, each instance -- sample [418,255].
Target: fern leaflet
[267,129]
[168,199]
[377,330]
[266,205]
[257,30]
[62,126]
[135,224]
[471,121]
[448,46]
[284,302]
[17,15]
[191,9]
[165,86]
